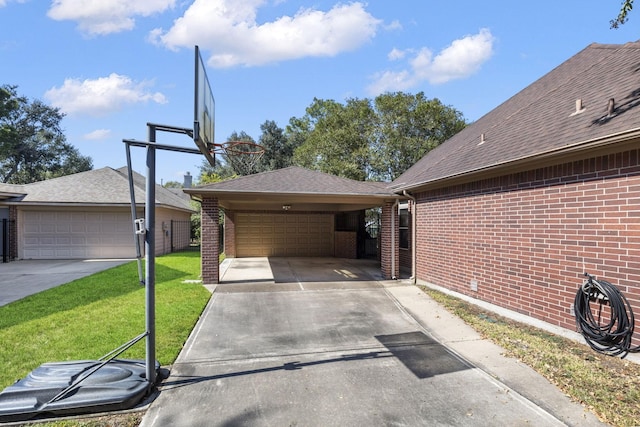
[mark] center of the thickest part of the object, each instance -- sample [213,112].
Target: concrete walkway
[326,342]
[19,279]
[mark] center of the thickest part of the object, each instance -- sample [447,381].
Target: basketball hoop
[243,156]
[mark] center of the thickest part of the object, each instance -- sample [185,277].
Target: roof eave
[593,147]
[88,205]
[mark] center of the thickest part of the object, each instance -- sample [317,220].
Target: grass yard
[89,317]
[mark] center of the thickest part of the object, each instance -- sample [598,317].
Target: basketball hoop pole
[150,229]
[150,251]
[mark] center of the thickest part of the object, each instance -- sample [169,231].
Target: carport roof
[315,190]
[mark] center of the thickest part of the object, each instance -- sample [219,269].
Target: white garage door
[76,234]
[296,235]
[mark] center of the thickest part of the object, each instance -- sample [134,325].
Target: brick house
[517,206]
[512,210]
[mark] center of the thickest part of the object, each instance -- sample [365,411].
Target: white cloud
[100,17]
[396,54]
[100,96]
[97,134]
[461,59]
[394,25]
[3,3]
[229,30]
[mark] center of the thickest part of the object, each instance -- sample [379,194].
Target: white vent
[579,107]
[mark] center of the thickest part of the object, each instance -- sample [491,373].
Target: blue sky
[113,66]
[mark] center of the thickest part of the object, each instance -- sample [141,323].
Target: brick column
[210,241]
[386,242]
[229,235]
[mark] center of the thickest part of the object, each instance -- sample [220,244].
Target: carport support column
[210,241]
[229,234]
[389,241]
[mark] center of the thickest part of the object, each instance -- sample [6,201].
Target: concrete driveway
[19,279]
[325,342]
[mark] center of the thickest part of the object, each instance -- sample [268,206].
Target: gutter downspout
[413,235]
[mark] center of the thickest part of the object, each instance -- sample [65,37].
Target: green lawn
[89,317]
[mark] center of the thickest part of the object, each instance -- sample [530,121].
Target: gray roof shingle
[540,119]
[297,180]
[105,186]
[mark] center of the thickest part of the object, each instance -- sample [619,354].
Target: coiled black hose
[604,317]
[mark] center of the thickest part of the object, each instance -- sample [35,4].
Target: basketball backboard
[204,111]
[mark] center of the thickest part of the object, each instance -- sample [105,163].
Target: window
[404,225]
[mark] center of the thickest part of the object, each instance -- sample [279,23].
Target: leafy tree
[32,144]
[336,137]
[408,126]
[278,148]
[376,140]
[622,18]
[173,184]
[210,176]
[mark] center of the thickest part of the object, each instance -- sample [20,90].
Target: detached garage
[290,212]
[88,215]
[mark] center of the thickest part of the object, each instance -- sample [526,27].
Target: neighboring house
[88,215]
[512,210]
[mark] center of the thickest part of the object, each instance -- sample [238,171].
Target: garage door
[76,234]
[297,235]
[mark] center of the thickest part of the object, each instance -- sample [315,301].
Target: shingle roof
[541,118]
[296,180]
[104,186]
[10,190]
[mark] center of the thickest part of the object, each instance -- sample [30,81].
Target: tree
[622,18]
[336,137]
[278,148]
[374,140]
[408,126]
[173,184]
[33,146]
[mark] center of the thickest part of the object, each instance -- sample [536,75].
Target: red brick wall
[209,223]
[229,235]
[389,210]
[528,237]
[345,244]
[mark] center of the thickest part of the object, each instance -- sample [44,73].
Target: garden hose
[604,317]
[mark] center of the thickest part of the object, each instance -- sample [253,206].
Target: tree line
[33,146]
[362,139]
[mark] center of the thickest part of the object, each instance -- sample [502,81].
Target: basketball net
[243,156]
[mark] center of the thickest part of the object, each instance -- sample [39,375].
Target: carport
[294,212]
